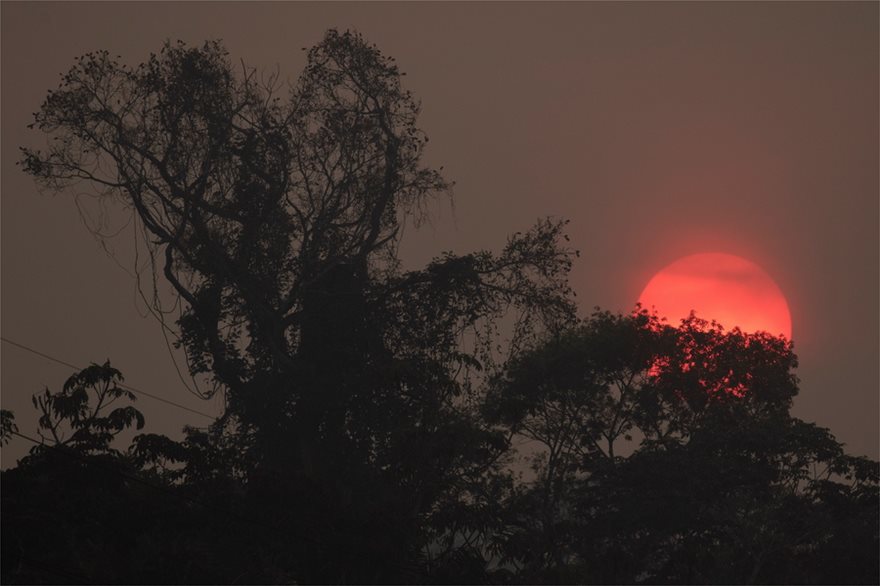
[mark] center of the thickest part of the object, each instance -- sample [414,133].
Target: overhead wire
[124,386]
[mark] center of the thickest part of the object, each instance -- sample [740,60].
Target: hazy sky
[659,129]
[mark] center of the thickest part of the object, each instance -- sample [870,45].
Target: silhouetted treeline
[454,424]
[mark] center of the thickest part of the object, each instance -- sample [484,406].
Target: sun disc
[722,287]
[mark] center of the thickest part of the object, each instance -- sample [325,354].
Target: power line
[124,386]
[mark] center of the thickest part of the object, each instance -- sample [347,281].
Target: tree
[72,480]
[80,509]
[717,482]
[256,210]
[277,222]
[574,399]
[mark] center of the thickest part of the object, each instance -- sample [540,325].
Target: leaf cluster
[79,416]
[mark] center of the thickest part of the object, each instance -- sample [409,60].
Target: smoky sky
[658,129]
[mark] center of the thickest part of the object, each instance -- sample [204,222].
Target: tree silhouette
[277,225]
[722,484]
[374,415]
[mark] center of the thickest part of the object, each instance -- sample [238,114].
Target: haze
[660,130]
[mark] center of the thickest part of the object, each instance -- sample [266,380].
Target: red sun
[721,287]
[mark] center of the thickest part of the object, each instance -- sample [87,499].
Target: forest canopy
[457,423]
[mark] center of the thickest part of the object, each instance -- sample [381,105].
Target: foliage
[720,484]
[7,426]
[77,417]
[745,493]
